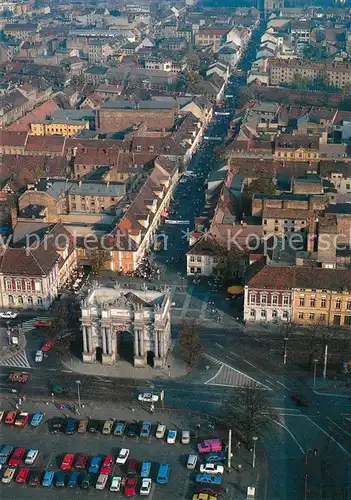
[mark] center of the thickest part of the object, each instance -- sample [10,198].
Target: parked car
[43,323]
[48,478]
[48,345]
[73,480]
[145,469]
[39,356]
[82,426]
[57,425]
[132,467]
[60,479]
[163,474]
[208,479]
[94,426]
[8,315]
[215,457]
[209,489]
[10,417]
[2,414]
[210,445]
[211,469]
[148,397]
[81,461]
[160,431]
[101,481]
[37,418]
[171,436]
[130,487]
[86,481]
[21,419]
[31,457]
[5,452]
[185,437]
[145,430]
[22,475]
[16,457]
[123,456]
[108,425]
[67,461]
[133,429]
[34,477]
[119,429]
[145,488]
[8,475]
[94,466]
[191,462]
[116,483]
[107,465]
[71,425]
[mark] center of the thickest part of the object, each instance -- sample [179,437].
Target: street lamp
[315,361]
[78,382]
[254,439]
[285,350]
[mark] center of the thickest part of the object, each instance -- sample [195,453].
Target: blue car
[37,419]
[214,458]
[207,478]
[5,452]
[145,469]
[48,478]
[73,480]
[94,465]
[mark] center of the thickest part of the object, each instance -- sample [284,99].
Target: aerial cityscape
[175,249]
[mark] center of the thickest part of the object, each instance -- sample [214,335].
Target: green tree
[248,411]
[230,263]
[299,82]
[189,344]
[261,185]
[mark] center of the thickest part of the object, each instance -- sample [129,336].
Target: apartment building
[67,128]
[299,148]
[336,74]
[211,36]
[99,51]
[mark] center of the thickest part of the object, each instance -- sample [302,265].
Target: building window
[338,304]
[301,315]
[28,286]
[30,300]
[285,314]
[302,301]
[18,285]
[311,316]
[348,305]
[8,285]
[263,314]
[37,286]
[39,301]
[274,314]
[252,313]
[252,299]
[198,259]
[286,300]
[313,301]
[11,301]
[263,299]
[322,318]
[274,300]
[324,302]
[20,299]
[192,258]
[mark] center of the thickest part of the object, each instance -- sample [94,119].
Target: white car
[148,397]
[39,356]
[31,457]
[116,483]
[123,456]
[171,436]
[8,315]
[185,437]
[145,487]
[160,431]
[212,469]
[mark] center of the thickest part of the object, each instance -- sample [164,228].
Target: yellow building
[299,148]
[67,128]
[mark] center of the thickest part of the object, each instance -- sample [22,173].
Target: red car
[81,461]
[130,487]
[107,465]
[10,418]
[21,419]
[43,323]
[16,457]
[22,475]
[49,344]
[67,461]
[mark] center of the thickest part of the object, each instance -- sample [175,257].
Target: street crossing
[19,360]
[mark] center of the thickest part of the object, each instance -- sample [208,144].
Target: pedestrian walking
[152,408]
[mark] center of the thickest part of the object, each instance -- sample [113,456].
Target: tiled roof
[10,138]
[40,113]
[46,144]
[28,262]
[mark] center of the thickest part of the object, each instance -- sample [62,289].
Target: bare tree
[248,410]
[98,258]
[189,344]
[317,335]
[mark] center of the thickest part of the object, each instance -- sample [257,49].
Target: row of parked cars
[117,428]
[20,419]
[209,478]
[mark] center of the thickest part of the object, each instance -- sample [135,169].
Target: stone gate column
[85,348]
[89,355]
[156,344]
[103,334]
[136,343]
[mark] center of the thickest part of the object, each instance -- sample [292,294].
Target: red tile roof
[15,139]
[40,113]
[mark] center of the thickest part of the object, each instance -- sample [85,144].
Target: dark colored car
[132,467]
[34,477]
[214,458]
[73,480]
[81,461]
[57,425]
[94,426]
[86,482]
[71,425]
[210,489]
[133,429]
[60,479]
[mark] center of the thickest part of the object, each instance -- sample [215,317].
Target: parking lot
[53,447]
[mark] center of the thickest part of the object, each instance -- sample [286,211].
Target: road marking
[280,383]
[219,345]
[290,434]
[338,426]
[248,362]
[330,437]
[214,376]
[231,352]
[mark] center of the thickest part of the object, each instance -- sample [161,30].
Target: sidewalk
[123,369]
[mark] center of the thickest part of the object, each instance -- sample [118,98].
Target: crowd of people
[147,270]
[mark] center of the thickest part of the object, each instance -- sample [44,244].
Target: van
[209,445]
[185,437]
[192,461]
[163,474]
[101,482]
